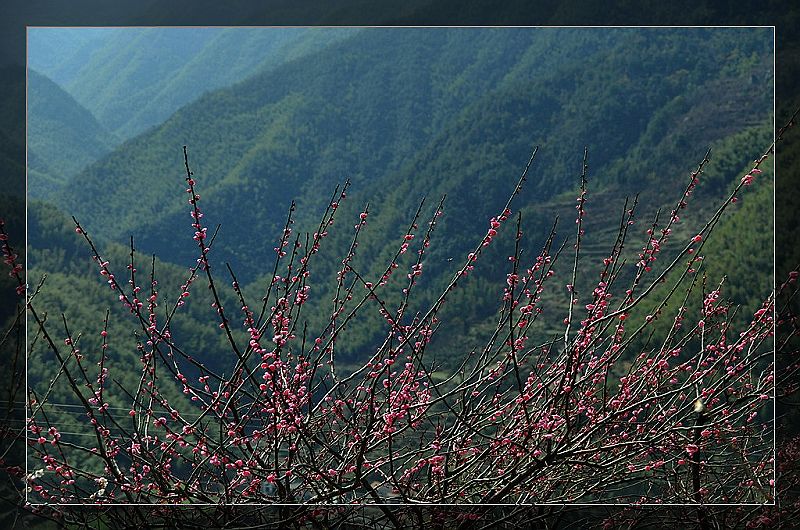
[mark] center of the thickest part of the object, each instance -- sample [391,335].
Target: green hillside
[134,78]
[406,113]
[63,137]
[458,110]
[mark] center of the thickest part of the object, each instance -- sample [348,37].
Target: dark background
[16,15]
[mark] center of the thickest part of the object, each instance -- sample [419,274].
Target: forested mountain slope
[431,111]
[406,113]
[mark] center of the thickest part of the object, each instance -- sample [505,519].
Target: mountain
[63,137]
[60,53]
[134,78]
[412,112]
[455,109]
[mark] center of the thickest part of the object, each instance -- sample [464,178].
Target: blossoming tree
[526,419]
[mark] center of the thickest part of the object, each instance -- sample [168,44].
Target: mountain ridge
[63,137]
[280,130]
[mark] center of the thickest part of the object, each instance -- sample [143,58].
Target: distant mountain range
[403,113]
[134,78]
[63,137]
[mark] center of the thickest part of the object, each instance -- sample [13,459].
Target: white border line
[26,400]
[464,505]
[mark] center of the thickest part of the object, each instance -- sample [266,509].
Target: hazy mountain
[134,78]
[61,53]
[63,137]
[412,112]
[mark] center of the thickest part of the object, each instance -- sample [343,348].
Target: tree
[577,417]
